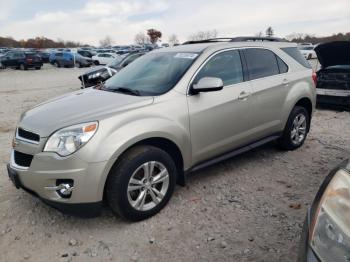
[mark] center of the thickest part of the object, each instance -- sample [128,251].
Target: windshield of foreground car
[152,74]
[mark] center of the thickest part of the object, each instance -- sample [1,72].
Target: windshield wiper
[125,90]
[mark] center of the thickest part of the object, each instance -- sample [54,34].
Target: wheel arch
[163,143]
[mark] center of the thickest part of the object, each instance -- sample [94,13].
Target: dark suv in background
[21,60]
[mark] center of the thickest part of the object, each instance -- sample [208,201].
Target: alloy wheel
[148,185]
[298,131]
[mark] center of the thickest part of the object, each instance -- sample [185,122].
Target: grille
[22,159]
[28,135]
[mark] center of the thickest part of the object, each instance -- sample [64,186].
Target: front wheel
[141,183]
[296,129]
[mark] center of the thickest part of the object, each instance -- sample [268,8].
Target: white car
[104,58]
[308,51]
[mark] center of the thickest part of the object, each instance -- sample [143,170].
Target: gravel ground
[249,208]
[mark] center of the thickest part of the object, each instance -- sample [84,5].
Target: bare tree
[259,34]
[269,31]
[203,35]
[141,38]
[173,40]
[107,41]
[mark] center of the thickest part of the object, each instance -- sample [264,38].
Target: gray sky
[88,21]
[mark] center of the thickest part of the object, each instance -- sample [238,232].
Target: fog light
[64,187]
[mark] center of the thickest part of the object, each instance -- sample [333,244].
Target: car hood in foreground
[78,107]
[333,53]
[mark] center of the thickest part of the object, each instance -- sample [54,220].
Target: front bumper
[77,209]
[43,173]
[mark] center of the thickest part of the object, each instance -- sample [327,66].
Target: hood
[78,107]
[333,53]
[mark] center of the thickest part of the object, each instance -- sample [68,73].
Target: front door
[221,121]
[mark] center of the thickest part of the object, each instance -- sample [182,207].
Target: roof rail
[237,39]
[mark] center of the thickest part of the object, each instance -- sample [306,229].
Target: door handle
[285,82]
[244,95]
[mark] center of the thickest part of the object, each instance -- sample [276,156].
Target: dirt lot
[238,210]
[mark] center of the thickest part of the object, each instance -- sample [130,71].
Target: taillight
[29,60]
[314,78]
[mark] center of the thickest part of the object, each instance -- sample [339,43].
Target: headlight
[68,140]
[94,75]
[330,228]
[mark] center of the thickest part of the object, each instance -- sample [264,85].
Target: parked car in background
[82,61]
[308,51]
[104,58]
[100,74]
[62,59]
[44,56]
[85,53]
[21,60]
[326,232]
[333,79]
[170,112]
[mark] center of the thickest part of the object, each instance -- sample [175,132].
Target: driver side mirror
[207,84]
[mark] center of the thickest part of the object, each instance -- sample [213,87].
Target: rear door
[221,121]
[269,80]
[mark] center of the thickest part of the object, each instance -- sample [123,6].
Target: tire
[131,166]
[296,130]
[38,68]
[77,64]
[56,64]
[96,62]
[309,56]
[22,67]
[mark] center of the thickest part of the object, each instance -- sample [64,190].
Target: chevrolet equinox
[127,142]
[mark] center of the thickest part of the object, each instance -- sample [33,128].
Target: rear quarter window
[296,55]
[261,63]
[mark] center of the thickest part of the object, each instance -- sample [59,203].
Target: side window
[59,54]
[261,63]
[282,65]
[226,65]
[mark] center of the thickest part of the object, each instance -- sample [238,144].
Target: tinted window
[18,55]
[59,54]
[261,63]
[282,65]
[226,65]
[296,55]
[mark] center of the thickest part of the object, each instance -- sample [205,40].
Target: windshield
[152,74]
[116,61]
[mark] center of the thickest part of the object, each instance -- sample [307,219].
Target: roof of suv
[200,47]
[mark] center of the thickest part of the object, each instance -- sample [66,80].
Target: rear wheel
[296,129]
[77,64]
[56,64]
[309,56]
[141,183]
